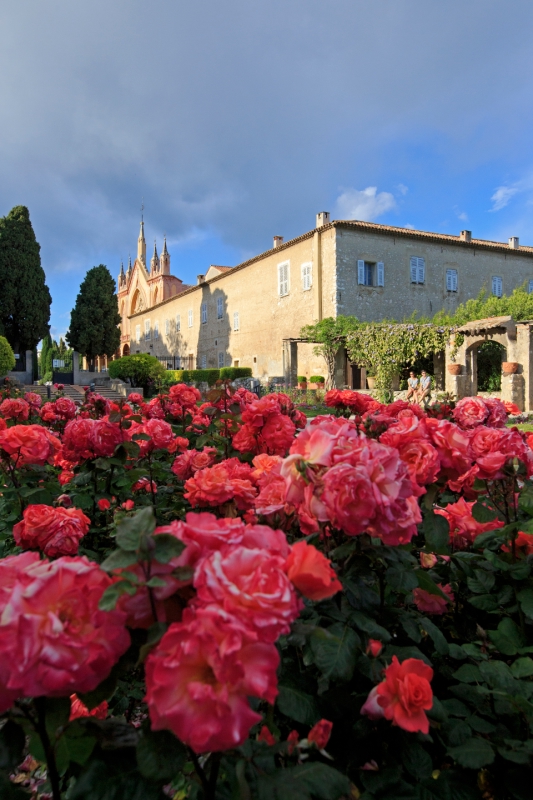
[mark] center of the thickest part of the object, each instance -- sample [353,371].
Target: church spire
[121,277]
[154,264]
[141,242]
[164,261]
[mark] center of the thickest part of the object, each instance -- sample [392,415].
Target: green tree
[25,299]
[46,355]
[141,369]
[329,335]
[7,358]
[94,319]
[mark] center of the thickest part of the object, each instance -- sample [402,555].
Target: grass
[313,411]
[522,426]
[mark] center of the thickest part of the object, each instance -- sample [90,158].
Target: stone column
[290,361]
[513,389]
[76,368]
[438,371]
[29,367]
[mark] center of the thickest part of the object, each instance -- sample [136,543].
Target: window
[220,307]
[220,360]
[204,313]
[203,362]
[307,276]
[497,286]
[283,279]
[137,333]
[177,361]
[236,363]
[530,287]
[451,280]
[369,274]
[190,359]
[190,317]
[418,269]
[236,321]
[178,323]
[147,329]
[156,330]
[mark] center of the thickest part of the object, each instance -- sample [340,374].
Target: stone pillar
[438,371]
[76,369]
[455,385]
[290,362]
[513,389]
[29,367]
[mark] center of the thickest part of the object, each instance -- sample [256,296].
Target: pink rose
[54,531]
[433,603]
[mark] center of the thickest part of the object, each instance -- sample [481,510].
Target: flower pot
[302,385]
[371,381]
[320,385]
[454,369]
[509,367]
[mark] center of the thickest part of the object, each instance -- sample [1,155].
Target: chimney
[278,240]
[465,236]
[322,218]
[200,279]
[514,243]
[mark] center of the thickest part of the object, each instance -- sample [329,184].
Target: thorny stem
[53,774]
[201,774]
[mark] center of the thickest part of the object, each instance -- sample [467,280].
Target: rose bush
[223,600]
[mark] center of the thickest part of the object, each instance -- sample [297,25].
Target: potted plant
[318,381]
[371,378]
[509,367]
[302,382]
[454,369]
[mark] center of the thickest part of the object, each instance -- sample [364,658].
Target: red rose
[470,412]
[79,709]
[54,639]
[103,504]
[189,462]
[29,444]
[374,647]
[252,585]
[65,407]
[320,733]
[54,531]
[266,737]
[405,694]
[463,526]
[311,572]
[200,675]
[104,437]
[16,409]
[433,603]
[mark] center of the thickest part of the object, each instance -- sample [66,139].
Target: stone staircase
[75,393]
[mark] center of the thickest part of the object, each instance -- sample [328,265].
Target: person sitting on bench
[412,384]
[425,387]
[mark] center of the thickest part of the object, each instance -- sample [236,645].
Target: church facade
[250,315]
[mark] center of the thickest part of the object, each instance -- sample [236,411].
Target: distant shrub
[317,379]
[232,373]
[172,376]
[7,357]
[301,379]
[141,369]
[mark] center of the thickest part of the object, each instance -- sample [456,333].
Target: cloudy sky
[239,119]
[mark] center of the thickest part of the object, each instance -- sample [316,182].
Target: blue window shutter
[381,273]
[414,265]
[421,271]
[361,272]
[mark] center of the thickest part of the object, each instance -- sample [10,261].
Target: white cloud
[409,226]
[402,188]
[463,216]
[502,196]
[366,204]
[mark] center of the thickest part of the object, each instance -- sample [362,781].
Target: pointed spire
[129,262]
[155,250]
[165,251]
[121,269]
[154,264]
[141,242]
[164,261]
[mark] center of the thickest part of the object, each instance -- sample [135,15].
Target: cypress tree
[94,319]
[45,354]
[24,297]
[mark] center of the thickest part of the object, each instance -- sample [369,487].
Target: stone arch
[156,294]
[126,350]
[138,302]
[471,354]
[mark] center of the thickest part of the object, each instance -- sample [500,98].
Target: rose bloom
[252,585]
[374,647]
[16,409]
[404,696]
[421,459]
[497,412]
[189,462]
[3,424]
[221,483]
[29,445]
[104,437]
[79,709]
[428,560]
[34,400]
[452,443]
[311,572]
[65,407]
[54,531]
[65,476]
[320,733]
[144,484]
[135,398]
[433,603]
[523,543]
[463,527]
[54,640]
[200,675]
[470,412]
[48,413]
[103,504]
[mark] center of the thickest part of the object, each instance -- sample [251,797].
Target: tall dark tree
[94,319]
[46,355]
[24,296]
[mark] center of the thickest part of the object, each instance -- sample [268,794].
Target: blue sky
[240,120]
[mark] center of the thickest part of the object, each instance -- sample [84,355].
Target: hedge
[210,376]
[232,373]
[7,357]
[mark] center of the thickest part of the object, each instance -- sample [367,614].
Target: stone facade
[251,315]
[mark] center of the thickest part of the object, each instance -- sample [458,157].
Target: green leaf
[335,650]
[437,533]
[118,560]
[9,791]
[525,598]
[311,781]
[12,742]
[131,530]
[401,579]
[498,675]
[481,513]
[467,673]
[485,602]
[439,640]
[473,754]
[455,708]
[522,668]
[456,732]
[508,637]
[57,713]
[160,756]
[167,547]
[113,777]
[417,761]
[425,582]
[525,500]
[297,705]
[370,626]
[113,593]
[457,652]
[482,583]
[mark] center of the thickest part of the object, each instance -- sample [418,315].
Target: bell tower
[141,244]
[164,261]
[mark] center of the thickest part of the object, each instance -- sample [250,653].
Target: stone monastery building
[250,315]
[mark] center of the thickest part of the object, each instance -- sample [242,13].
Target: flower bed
[224,600]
